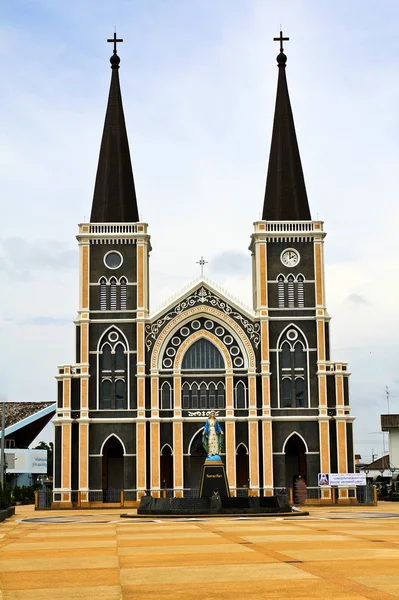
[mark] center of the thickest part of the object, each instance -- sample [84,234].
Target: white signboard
[343,479]
[26,461]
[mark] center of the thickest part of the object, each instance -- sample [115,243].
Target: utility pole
[3,429]
[387,393]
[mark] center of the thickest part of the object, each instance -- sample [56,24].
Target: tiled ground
[339,553]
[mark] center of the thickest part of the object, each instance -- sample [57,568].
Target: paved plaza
[341,553]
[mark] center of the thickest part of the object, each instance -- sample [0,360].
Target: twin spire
[285,195]
[115,199]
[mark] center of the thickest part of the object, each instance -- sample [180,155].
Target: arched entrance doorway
[295,460]
[112,476]
[196,459]
[166,467]
[242,466]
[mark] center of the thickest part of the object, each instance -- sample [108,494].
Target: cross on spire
[281,39]
[201,263]
[114,40]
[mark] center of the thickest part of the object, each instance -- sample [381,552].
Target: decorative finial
[114,60]
[281,58]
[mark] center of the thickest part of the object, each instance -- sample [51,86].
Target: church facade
[132,406]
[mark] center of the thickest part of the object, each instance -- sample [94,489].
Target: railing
[311,495]
[191,493]
[115,228]
[289,226]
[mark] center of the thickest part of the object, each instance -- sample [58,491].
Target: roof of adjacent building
[114,199]
[380,463]
[285,196]
[25,420]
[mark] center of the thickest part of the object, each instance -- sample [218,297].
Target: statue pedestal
[214,480]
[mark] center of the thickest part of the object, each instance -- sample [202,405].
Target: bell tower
[305,396]
[101,397]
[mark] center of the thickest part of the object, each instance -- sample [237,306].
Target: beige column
[66,433]
[267,457]
[84,275]
[324,437]
[84,460]
[178,458]
[230,442]
[155,458]
[253,456]
[141,458]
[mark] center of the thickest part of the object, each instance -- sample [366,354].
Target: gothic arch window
[290,293]
[299,356]
[194,395]
[106,364]
[221,397]
[112,282]
[300,295]
[240,396]
[280,291]
[203,395]
[286,355]
[166,396]
[112,372]
[293,369]
[186,395]
[103,294]
[203,355]
[123,293]
[212,396]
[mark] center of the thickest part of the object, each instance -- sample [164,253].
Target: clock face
[290,257]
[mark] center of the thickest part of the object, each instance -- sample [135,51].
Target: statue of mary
[212,439]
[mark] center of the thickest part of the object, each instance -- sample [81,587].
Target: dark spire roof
[114,197]
[285,195]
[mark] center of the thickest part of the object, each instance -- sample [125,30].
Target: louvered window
[291,297]
[113,294]
[123,294]
[280,291]
[301,300]
[103,294]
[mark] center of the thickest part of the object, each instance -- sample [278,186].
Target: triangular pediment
[201,293]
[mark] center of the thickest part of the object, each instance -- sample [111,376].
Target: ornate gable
[206,300]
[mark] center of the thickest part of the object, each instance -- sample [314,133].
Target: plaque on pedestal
[214,479]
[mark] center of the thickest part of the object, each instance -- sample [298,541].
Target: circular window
[234,350]
[170,352]
[238,362]
[167,363]
[208,325]
[113,260]
[113,336]
[185,331]
[176,341]
[292,334]
[219,331]
[228,340]
[195,325]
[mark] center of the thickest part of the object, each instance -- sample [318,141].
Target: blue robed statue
[212,438]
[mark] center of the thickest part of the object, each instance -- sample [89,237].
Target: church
[132,406]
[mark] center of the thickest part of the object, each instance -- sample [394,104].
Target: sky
[198,82]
